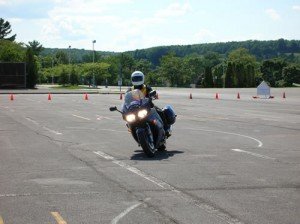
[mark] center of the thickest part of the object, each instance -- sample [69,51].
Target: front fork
[149,133]
[133,131]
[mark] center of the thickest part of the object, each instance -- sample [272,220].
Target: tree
[240,71]
[250,77]
[63,78]
[90,55]
[35,46]
[113,69]
[241,55]
[100,70]
[272,70]
[212,59]
[194,66]
[217,73]
[240,74]
[61,57]
[127,64]
[281,44]
[171,68]
[5,29]
[291,74]
[31,69]
[228,76]
[11,51]
[74,80]
[143,65]
[208,79]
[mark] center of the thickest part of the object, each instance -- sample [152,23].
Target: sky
[123,25]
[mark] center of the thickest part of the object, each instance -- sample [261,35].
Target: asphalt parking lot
[229,160]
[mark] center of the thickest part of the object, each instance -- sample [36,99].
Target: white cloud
[79,18]
[296,7]
[15,20]
[174,10]
[4,2]
[204,35]
[273,14]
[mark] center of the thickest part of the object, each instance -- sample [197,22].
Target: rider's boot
[168,130]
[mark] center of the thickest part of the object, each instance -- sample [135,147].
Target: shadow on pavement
[159,155]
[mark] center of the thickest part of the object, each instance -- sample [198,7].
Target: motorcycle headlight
[130,118]
[142,113]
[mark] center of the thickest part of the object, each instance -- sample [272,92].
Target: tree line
[232,64]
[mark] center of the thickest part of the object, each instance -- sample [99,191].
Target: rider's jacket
[144,89]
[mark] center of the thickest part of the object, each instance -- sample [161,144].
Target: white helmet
[137,78]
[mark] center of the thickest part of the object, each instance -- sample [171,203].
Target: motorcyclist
[138,80]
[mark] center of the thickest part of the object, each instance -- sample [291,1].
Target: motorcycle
[145,122]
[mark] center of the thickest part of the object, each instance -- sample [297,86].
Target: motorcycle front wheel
[146,143]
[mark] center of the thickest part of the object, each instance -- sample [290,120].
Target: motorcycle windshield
[132,99]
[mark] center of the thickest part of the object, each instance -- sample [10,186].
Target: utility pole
[69,63]
[120,72]
[94,41]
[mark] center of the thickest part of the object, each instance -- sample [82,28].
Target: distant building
[12,75]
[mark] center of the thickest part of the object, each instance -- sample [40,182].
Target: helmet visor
[137,79]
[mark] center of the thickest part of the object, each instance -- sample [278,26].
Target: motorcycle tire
[147,146]
[162,148]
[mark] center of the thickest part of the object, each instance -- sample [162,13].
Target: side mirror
[113,108]
[152,93]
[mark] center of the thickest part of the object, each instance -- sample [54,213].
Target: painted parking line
[44,127]
[254,154]
[1,220]
[84,118]
[136,171]
[260,144]
[124,213]
[99,118]
[52,131]
[164,185]
[31,120]
[58,218]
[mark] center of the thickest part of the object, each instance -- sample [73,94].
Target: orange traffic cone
[11,97]
[86,96]
[191,97]
[217,96]
[121,96]
[238,96]
[283,95]
[49,97]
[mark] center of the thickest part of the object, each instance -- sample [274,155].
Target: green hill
[260,49]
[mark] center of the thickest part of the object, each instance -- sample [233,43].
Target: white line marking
[80,128]
[136,171]
[81,117]
[99,118]
[104,129]
[33,121]
[44,127]
[52,131]
[253,154]
[224,132]
[38,101]
[117,219]
[202,205]
[266,116]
